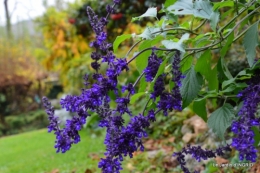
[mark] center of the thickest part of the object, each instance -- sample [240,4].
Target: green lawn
[33,152]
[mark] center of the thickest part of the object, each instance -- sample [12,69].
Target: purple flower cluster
[169,101]
[242,127]
[121,140]
[199,154]
[69,135]
[152,67]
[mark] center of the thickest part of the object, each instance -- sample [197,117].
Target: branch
[132,48]
[177,28]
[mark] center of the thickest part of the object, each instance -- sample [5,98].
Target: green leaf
[226,14]
[147,34]
[119,40]
[200,8]
[176,45]
[142,59]
[250,42]
[142,85]
[191,85]
[221,119]
[199,107]
[214,19]
[222,4]
[230,88]
[226,47]
[209,94]
[135,97]
[169,2]
[203,64]
[151,12]
[257,136]
[228,82]
[213,79]
[223,70]
[186,64]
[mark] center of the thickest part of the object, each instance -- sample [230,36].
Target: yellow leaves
[61,53]
[83,46]
[133,28]
[17,61]
[65,48]
[60,36]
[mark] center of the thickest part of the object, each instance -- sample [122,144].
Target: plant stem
[146,105]
[177,28]
[149,48]
[204,21]
[137,80]
[132,48]
[235,17]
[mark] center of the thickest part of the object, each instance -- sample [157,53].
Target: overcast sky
[24,9]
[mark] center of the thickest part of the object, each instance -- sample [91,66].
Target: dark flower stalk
[152,67]
[242,127]
[173,100]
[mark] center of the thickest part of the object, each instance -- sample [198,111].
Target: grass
[33,152]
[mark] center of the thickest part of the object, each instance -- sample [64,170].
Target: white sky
[24,9]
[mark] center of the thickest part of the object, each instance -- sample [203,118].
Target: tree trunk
[8,20]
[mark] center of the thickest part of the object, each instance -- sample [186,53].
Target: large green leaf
[119,40]
[214,19]
[199,8]
[203,66]
[222,4]
[191,85]
[142,59]
[176,45]
[250,42]
[221,119]
[151,12]
[186,63]
[199,107]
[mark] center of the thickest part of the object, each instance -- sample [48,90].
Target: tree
[8,20]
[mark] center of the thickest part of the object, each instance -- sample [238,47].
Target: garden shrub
[25,122]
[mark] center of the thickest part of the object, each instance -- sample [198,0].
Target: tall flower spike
[152,67]
[177,76]
[159,87]
[242,128]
